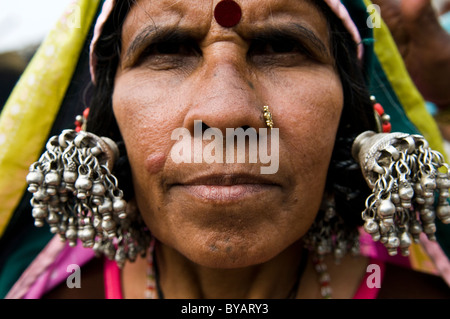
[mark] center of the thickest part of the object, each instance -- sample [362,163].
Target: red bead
[378,108]
[78,129]
[387,127]
[227,13]
[86,113]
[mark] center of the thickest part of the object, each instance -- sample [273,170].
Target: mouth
[226,188]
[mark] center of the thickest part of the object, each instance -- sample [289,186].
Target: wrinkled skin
[226,85]
[227,216]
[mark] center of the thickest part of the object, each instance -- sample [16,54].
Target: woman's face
[177,66]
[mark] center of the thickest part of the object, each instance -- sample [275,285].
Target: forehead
[198,15]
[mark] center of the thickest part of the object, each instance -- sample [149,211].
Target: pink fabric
[335,5]
[376,250]
[433,249]
[112,281]
[438,257]
[49,269]
[341,11]
[364,291]
[108,5]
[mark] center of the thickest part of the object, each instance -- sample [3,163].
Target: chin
[232,252]
[229,260]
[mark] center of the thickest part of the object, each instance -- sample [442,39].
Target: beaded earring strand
[152,290]
[324,277]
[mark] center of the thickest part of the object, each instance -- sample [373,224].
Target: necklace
[153,289]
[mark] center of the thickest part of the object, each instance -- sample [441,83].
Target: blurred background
[23,24]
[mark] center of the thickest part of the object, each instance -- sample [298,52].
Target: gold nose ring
[268,117]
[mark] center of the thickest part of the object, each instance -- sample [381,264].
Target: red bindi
[227,13]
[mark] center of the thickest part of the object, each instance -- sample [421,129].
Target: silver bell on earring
[410,188]
[76,194]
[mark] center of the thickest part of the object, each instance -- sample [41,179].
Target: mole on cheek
[155,162]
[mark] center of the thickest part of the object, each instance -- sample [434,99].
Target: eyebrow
[292,31]
[153,34]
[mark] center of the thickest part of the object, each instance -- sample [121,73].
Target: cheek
[308,115]
[145,129]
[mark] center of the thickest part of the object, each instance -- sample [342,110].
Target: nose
[225,93]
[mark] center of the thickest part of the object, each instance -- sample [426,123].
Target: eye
[169,54]
[276,46]
[282,52]
[172,48]
[279,46]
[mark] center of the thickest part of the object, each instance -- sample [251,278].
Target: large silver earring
[76,194]
[406,176]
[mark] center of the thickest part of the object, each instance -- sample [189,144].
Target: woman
[222,229]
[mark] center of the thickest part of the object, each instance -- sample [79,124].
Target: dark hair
[101,120]
[344,176]
[345,179]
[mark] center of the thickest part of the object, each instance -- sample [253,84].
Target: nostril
[198,123]
[204,127]
[200,126]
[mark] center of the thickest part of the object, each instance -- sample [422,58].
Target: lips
[228,180]
[225,187]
